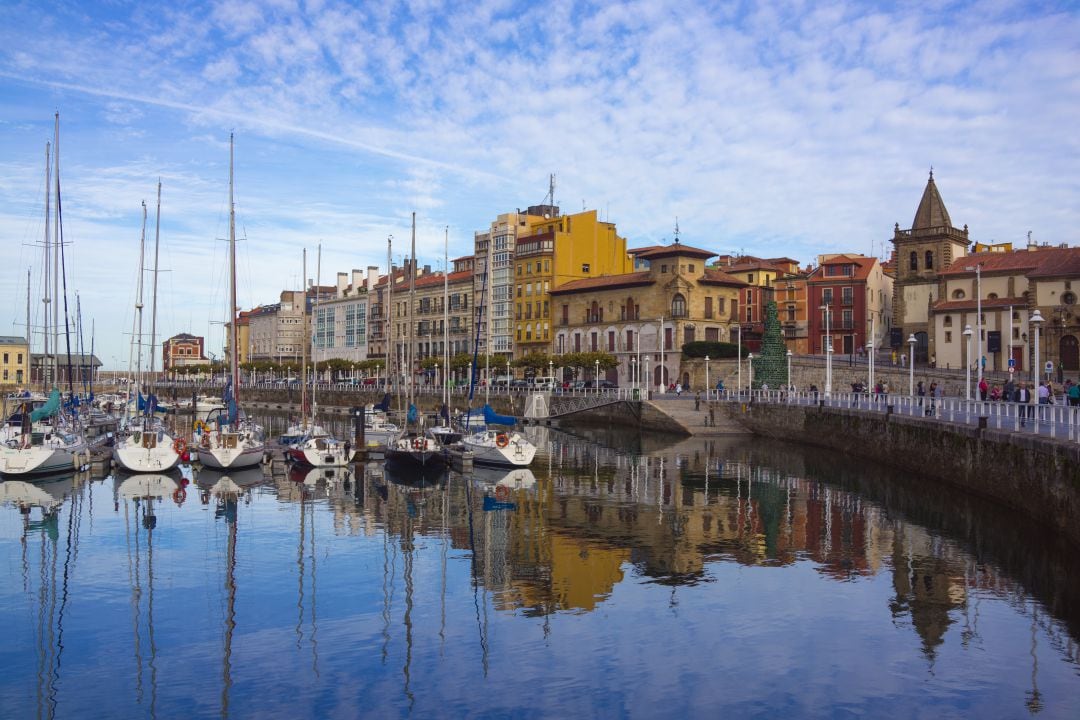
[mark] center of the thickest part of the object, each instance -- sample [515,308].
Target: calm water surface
[626,577]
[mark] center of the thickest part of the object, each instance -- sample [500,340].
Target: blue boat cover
[493,418]
[385,404]
[50,408]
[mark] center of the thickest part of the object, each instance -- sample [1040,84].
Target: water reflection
[346,583]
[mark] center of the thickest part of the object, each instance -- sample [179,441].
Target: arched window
[1068,298]
[914,260]
[929,260]
[678,305]
[992,296]
[948,321]
[957,294]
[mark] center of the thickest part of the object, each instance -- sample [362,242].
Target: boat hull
[516,452]
[230,458]
[35,461]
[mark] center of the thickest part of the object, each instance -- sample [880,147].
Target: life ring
[502,492]
[502,440]
[179,446]
[179,496]
[200,426]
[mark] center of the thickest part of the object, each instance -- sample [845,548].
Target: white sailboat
[317,447]
[233,442]
[412,450]
[147,446]
[43,442]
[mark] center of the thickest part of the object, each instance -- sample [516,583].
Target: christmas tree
[770,366]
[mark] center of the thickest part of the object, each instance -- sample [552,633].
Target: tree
[771,365]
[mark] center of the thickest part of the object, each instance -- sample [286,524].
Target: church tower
[931,245]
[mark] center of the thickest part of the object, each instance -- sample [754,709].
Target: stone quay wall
[1037,476]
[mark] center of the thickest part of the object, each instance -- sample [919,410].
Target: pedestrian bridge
[550,406]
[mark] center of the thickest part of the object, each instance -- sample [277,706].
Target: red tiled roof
[638,251]
[973,304]
[606,282]
[1044,262]
[674,249]
[863,266]
[719,277]
[437,278]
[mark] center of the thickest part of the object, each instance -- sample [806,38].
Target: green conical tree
[771,365]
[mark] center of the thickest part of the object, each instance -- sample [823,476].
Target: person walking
[983,387]
[1074,394]
[1023,403]
[936,394]
[697,400]
[920,390]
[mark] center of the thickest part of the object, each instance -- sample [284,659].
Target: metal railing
[1057,420]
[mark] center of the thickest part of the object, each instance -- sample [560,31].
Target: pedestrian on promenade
[678,389]
[697,400]
[983,387]
[1074,394]
[814,391]
[935,393]
[1008,393]
[1023,401]
[920,390]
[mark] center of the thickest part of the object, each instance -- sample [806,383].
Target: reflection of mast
[407,551]
[230,612]
[475,580]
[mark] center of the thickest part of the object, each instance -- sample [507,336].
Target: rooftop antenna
[676,229]
[551,192]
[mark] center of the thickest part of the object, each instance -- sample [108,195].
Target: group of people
[1045,393]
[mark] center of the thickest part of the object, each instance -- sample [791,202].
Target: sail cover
[50,408]
[493,418]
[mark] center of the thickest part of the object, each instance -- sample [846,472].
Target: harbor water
[621,576]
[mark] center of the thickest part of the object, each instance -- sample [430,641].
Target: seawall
[1034,475]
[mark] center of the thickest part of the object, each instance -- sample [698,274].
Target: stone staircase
[708,419]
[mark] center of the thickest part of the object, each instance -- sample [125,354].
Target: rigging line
[63,277]
[314,624]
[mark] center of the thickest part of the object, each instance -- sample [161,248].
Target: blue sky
[790,128]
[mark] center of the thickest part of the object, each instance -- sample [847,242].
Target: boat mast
[234,371]
[314,355]
[304,347]
[488,314]
[153,302]
[45,364]
[387,312]
[139,307]
[412,293]
[29,381]
[56,252]
[446,322]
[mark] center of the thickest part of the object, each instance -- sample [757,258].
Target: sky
[777,128]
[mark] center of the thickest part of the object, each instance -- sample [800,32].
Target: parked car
[608,385]
[519,383]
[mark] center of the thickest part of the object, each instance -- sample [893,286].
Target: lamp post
[967,363]
[660,347]
[911,364]
[750,379]
[707,385]
[828,351]
[1036,320]
[596,375]
[870,356]
[978,320]
[789,373]
[738,358]
[645,372]
[437,378]
[508,375]
[551,369]
[633,373]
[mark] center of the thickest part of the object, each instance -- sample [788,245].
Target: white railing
[1056,420]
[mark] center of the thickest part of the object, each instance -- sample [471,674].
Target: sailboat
[491,446]
[147,446]
[317,447]
[234,442]
[43,442]
[413,449]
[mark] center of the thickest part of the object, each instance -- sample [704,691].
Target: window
[668,337]
[948,336]
[585,267]
[847,320]
[593,345]
[688,334]
[749,297]
[992,296]
[957,294]
[678,305]
[20,358]
[611,341]
[929,260]
[948,321]
[691,267]
[708,308]
[6,358]
[1067,298]
[630,340]
[720,302]
[847,294]
[663,268]
[826,296]
[750,279]
[914,260]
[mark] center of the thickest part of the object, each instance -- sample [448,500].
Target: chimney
[372,277]
[342,284]
[427,270]
[357,281]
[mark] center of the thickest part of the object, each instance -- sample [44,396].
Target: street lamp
[1036,320]
[507,374]
[645,372]
[911,364]
[789,374]
[828,351]
[437,379]
[870,356]
[596,375]
[633,373]
[551,369]
[750,379]
[967,363]
[707,385]
[978,319]
[660,347]
[738,358]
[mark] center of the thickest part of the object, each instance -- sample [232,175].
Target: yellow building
[15,357]
[556,251]
[644,318]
